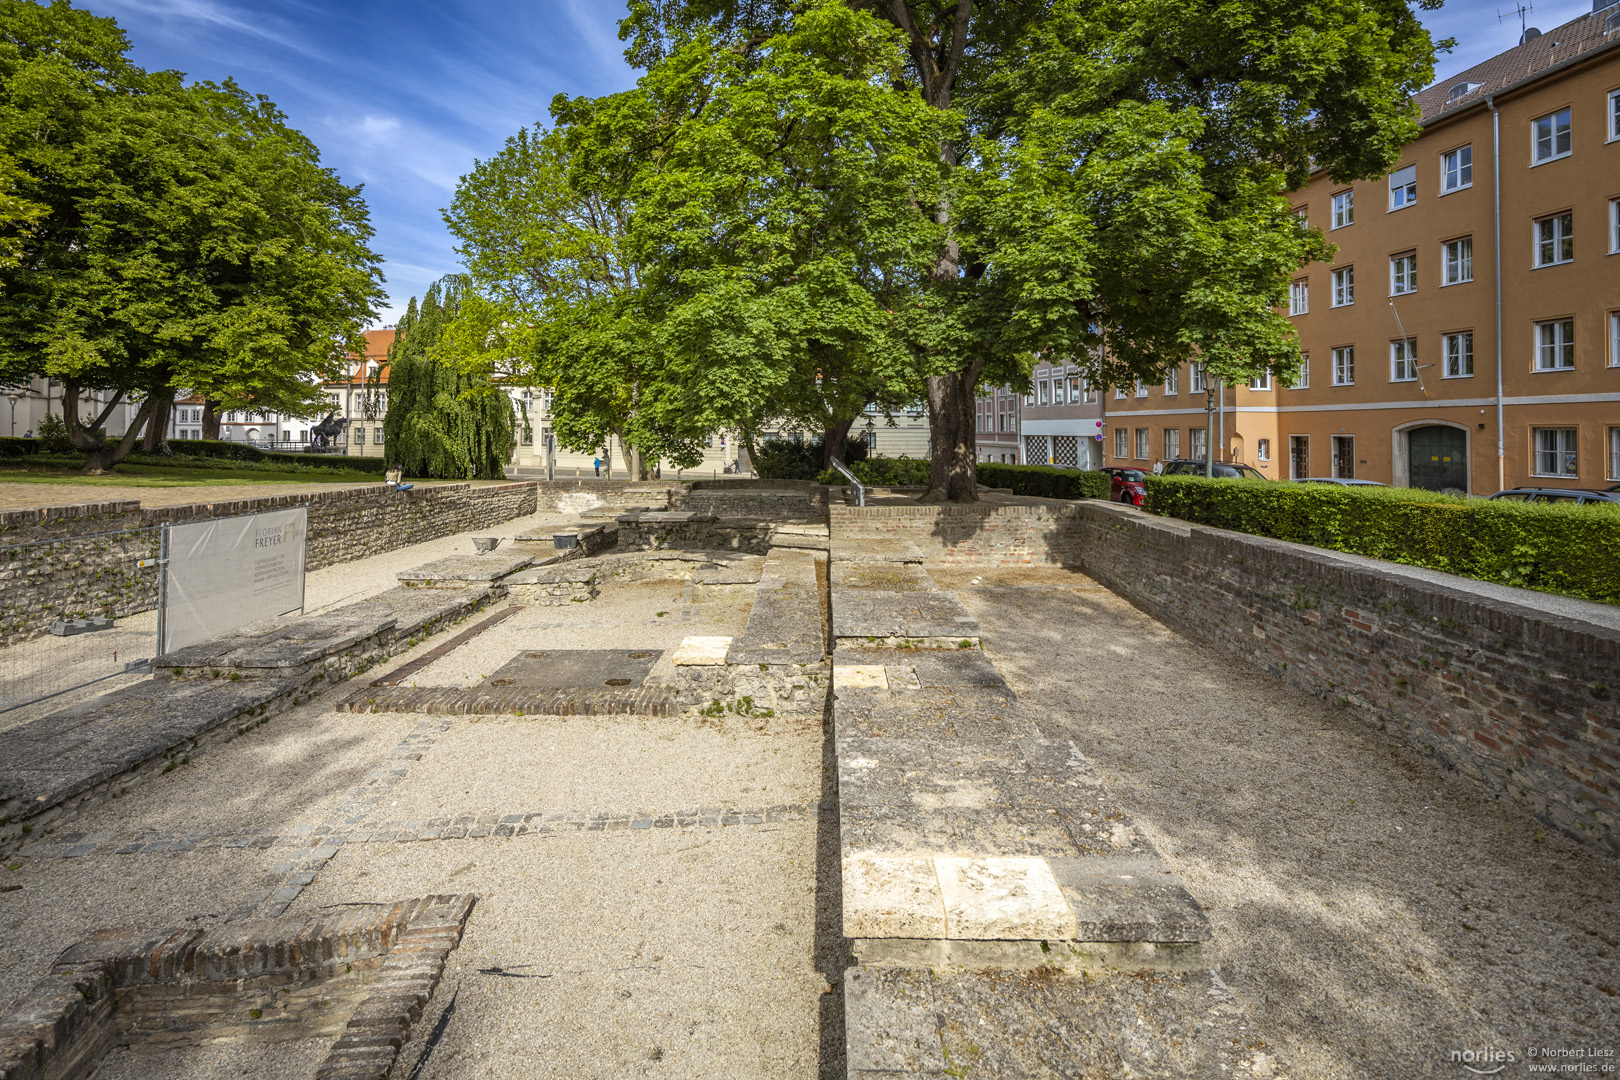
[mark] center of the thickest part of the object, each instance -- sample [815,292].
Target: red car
[1125,486]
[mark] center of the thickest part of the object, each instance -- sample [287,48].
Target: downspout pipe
[1496,198]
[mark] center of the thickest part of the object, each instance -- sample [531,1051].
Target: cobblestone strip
[316,840]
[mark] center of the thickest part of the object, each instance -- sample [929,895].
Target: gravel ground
[275,1061]
[1374,912]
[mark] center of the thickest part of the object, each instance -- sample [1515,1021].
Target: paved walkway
[1373,913]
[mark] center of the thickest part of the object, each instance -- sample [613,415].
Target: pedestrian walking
[597,465]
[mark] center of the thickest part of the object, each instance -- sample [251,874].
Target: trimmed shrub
[1553,547]
[889,472]
[11,447]
[781,459]
[216,448]
[1045,481]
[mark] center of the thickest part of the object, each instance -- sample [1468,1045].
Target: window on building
[1551,136]
[1299,297]
[1089,393]
[1172,443]
[1299,457]
[1459,354]
[1044,391]
[1555,345]
[1302,381]
[1200,381]
[1403,187]
[1172,380]
[1141,390]
[1143,448]
[1555,239]
[1198,444]
[1261,382]
[1029,398]
[1614,115]
[377,434]
[1344,366]
[1456,169]
[1614,453]
[1344,209]
[1614,226]
[1614,339]
[1555,451]
[1344,456]
[1403,360]
[1459,261]
[359,435]
[870,439]
[1304,214]
[1262,449]
[1403,274]
[1344,286]
[1076,388]
[1122,447]
[1119,393]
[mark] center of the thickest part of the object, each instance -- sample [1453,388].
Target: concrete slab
[458,570]
[879,551]
[861,615]
[1003,898]
[575,669]
[890,896]
[887,576]
[784,626]
[859,676]
[702,652]
[951,714]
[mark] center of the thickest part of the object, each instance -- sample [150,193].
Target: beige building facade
[1407,378]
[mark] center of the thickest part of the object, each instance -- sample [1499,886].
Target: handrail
[860,488]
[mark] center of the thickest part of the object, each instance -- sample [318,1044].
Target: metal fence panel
[227,572]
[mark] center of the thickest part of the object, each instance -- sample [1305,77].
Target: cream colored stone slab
[1003,899]
[859,676]
[702,652]
[890,896]
[903,677]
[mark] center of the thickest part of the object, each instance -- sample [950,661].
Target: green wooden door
[1439,458]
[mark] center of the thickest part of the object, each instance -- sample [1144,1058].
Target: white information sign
[228,572]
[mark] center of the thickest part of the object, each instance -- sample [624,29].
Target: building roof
[1522,63]
[377,345]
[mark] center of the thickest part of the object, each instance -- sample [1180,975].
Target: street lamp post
[14,395]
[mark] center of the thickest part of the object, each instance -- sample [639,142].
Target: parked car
[1224,470]
[1579,496]
[1125,486]
[1343,481]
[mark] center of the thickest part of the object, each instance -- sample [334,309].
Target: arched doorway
[1437,458]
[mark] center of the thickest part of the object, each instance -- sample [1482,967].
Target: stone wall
[770,500]
[578,496]
[1518,691]
[980,534]
[80,561]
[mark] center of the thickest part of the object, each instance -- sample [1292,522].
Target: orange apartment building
[1430,359]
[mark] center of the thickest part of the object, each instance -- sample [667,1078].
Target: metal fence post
[163,588]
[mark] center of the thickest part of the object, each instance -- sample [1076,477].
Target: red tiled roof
[1579,36]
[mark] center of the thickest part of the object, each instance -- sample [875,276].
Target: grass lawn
[159,476]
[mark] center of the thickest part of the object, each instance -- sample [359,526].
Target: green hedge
[220,448]
[884,472]
[1554,547]
[1045,481]
[11,447]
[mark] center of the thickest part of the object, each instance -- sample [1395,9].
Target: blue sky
[403,96]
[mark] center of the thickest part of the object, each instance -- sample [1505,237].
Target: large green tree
[446,418]
[1115,184]
[193,240]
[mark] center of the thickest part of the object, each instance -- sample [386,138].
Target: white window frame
[1260,382]
[1172,381]
[1559,344]
[1262,450]
[1403,272]
[1614,226]
[1344,364]
[1344,210]
[1119,393]
[1457,255]
[1614,116]
[1403,360]
[1144,443]
[1458,163]
[1558,240]
[1402,187]
[1553,153]
[1122,444]
[1344,286]
[1198,444]
[1564,451]
[1299,297]
[1043,389]
[1141,389]
[1457,345]
[1303,380]
[1614,453]
[1172,444]
[1614,339]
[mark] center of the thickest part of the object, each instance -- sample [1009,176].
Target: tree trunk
[157,424]
[953,475]
[100,461]
[833,440]
[210,421]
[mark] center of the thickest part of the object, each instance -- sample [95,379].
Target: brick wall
[980,534]
[577,496]
[1518,692]
[79,561]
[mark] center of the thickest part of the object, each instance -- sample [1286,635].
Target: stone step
[459,571]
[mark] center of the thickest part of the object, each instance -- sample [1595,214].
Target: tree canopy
[192,239]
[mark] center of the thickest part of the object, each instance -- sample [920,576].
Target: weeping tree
[445,419]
